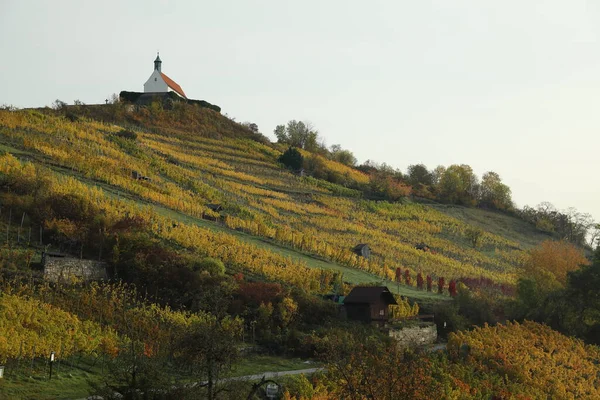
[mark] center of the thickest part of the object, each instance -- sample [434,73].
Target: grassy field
[75,379]
[68,382]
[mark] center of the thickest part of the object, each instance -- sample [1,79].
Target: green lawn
[68,382]
[500,224]
[256,364]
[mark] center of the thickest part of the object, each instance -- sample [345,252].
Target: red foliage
[255,293]
[238,277]
[441,283]
[429,283]
[398,274]
[488,285]
[420,281]
[452,288]
[407,277]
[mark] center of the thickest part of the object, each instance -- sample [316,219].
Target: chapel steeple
[157,63]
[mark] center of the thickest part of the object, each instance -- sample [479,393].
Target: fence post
[20,228]
[8,226]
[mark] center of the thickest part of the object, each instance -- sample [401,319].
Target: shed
[422,246]
[362,250]
[369,304]
[215,207]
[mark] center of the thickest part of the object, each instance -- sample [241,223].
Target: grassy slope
[257,162]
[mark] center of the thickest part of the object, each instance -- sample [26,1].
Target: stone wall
[63,268]
[412,336]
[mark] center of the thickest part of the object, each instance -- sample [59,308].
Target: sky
[511,87]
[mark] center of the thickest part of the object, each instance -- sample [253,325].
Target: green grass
[256,364]
[509,227]
[68,382]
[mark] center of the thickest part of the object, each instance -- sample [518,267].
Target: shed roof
[369,294]
[360,246]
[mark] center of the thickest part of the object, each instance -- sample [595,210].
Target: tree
[210,345]
[251,126]
[459,185]
[384,185]
[298,134]
[452,288]
[418,174]
[292,159]
[549,263]
[367,368]
[429,281]
[494,193]
[342,156]
[420,281]
[441,283]
[475,236]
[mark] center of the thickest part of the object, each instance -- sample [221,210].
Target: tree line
[456,184]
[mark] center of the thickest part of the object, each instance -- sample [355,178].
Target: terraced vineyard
[278,220]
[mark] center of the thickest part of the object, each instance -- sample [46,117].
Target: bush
[292,159]
[127,134]
[213,266]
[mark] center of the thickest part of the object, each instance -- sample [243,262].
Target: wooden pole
[8,226]
[20,228]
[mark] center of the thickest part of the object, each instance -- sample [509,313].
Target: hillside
[215,161]
[222,262]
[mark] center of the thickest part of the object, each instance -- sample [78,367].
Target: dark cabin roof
[215,207]
[359,247]
[369,295]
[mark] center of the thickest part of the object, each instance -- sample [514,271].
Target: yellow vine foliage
[535,360]
[188,171]
[31,328]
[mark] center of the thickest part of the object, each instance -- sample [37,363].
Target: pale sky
[507,86]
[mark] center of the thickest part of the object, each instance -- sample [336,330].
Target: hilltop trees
[342,156]
[459,185]
[493,193]
[298,134]
[569,225]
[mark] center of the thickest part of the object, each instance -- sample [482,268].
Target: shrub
[292,159]
[127,134]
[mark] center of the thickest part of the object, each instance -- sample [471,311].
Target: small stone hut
[362,250]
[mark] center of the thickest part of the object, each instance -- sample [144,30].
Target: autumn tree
[366,368]
[407,276]
[549,263]
[440,285]
[429,283]
[420,281]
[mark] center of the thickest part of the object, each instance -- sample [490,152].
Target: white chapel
[160,83]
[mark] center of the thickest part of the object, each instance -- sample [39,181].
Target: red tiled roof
[173,85]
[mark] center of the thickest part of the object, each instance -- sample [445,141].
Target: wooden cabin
[369,304]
